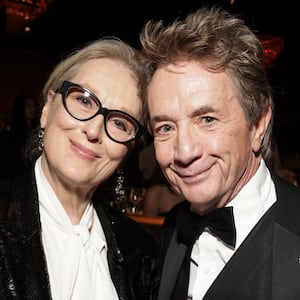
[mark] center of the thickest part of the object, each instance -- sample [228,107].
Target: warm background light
[20,13]
[273,46]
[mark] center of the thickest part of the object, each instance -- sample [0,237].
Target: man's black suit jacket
[267,264]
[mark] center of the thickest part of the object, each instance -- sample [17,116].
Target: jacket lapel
[247,274]
[171,267]
[267,264]
[27,263]
[23,251]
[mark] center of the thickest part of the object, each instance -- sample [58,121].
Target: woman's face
[79,154]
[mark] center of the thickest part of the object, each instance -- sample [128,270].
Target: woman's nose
[94,128]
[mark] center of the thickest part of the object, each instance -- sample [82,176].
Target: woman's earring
[119,189]
[120,192]
[41,139]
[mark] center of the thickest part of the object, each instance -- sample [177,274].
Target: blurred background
[36,34]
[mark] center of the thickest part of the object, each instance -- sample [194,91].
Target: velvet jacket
[266,265]
[132,252]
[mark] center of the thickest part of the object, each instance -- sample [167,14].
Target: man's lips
[194,176]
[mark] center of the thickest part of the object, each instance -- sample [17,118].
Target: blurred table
[151,223]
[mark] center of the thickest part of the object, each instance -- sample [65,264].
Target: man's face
[202,140]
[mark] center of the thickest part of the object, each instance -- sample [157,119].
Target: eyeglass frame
[63,90]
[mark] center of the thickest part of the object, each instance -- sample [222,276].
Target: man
[211,111]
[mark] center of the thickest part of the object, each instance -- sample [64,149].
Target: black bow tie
[220,222]
[189,226]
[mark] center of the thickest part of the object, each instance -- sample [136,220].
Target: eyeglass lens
[83,105]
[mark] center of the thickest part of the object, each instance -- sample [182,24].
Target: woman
[57,240]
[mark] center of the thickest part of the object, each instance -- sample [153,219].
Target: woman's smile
[83,151]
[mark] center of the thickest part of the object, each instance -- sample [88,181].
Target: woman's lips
[83,151]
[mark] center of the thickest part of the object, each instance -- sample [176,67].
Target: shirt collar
[252,202]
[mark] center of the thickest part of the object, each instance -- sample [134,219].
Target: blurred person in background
[13,137]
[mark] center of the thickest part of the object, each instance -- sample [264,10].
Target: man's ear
[260,128]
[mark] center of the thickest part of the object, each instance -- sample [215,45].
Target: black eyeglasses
[83,105]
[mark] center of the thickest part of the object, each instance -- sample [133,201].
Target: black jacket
[132,252]
[265,267]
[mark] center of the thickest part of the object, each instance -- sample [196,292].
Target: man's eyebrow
[159,118]
[202,110]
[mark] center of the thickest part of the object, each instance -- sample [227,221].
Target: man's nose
[187,145]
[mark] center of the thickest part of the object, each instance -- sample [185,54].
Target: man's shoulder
[286,192]
[287,207]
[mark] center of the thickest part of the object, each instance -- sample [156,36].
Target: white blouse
[76,255]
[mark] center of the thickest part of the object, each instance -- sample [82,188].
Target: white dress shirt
[209,254]
[76,255]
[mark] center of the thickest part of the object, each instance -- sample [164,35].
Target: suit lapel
[249,267]
[267,264]
[171,267]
